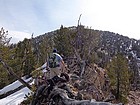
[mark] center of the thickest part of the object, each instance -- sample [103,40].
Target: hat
[54,50]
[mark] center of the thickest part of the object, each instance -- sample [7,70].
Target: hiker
[56,67]
[55,64]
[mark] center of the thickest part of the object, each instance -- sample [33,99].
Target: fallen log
[68,101]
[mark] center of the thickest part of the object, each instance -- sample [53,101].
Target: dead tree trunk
[68,101]
[9,70]
[83,65]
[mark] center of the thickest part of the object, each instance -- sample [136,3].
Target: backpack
[53,61]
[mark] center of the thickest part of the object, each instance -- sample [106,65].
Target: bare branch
[9,70]
[79,19]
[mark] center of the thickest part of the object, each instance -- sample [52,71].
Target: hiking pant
[55,72]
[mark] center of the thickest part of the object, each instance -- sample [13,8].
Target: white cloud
[18,36]
[119,16]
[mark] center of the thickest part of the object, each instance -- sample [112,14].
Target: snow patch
[15,98]
[13,86]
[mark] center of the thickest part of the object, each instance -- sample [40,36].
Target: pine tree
[44,49]
[25,57]
[7,53]
[62,41]
[118,72]
[4,40]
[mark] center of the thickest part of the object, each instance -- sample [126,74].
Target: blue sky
[24,17]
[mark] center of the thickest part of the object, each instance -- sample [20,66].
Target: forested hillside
[118,55]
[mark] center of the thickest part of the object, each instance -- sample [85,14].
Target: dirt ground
[134,98]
